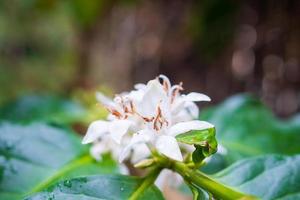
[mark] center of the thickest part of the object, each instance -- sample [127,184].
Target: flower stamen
[114,112]
[159,120]
[175,90]
[165,83]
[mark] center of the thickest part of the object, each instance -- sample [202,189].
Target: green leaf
[35,156]
[216,163]
[247,128]
[198,155]
[99,187]
[42,108]
[204,141]
[268,177]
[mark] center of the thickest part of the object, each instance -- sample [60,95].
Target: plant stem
[193,189]
[148,181]
[201,180]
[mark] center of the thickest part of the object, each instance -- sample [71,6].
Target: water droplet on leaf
[68,183]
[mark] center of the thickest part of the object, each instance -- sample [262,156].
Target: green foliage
[86,12]
[202,138]
[35,156]
[216,163]
[37,47]
[251,176]
[42,108]
[99,187]
[245,127]
[204,141]
[39,161]
[268,177]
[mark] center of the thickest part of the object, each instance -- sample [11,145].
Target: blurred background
[218,47]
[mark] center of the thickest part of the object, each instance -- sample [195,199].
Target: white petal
[136,95]
[187,147]
[184,110]
[184,127]
[169,178]
[182,116]
[97,149]
[161,179]
[143,136]
[95,130]
[168,146]
[140,151]
[124,154]
[192,109]
[111,117]
[166,80]
[195,96]
[178,105]
[124,169]
[154,95]
[140,86]
[118,129]
[166,110]
[103,99]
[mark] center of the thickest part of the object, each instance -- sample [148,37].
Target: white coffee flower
[182,106]
[106,135]
[152,115]
[160,106]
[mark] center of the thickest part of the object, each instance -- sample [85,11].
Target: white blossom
[149,116]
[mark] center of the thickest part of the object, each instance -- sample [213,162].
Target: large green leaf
[35,156]
[268,177]
[245,127]
[42,108]
[114,187]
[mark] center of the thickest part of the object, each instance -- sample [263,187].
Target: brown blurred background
[218,47]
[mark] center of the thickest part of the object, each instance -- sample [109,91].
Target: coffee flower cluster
[148,117]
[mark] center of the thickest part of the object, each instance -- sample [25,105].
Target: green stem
[148,181]
[201,180]
[193,189]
